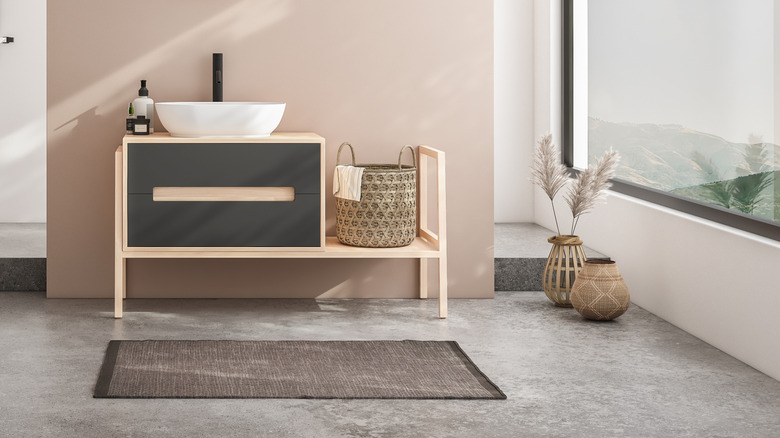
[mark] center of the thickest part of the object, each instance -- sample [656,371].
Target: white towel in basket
[346,182]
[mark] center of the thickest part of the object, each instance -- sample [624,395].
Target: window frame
[731,218]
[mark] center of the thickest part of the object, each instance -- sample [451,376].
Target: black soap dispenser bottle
[144,105]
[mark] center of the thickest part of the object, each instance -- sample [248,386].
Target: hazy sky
[704,64]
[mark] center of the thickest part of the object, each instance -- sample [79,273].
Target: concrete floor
[564,376]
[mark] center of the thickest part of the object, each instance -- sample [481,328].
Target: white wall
[514,109]
[23,112]
[547,70]
[715,282]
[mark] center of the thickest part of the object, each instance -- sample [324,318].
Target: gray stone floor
[564,376]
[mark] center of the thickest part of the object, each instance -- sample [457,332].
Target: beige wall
[379,74]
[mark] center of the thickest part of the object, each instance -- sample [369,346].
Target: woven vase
[563,265]
[599,293]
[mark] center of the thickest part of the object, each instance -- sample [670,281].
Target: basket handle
[414,158]
[338,154]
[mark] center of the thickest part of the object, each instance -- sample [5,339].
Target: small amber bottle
[130,121]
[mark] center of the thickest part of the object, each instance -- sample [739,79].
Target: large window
[688,91]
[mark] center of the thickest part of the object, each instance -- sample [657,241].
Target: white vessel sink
[220,119]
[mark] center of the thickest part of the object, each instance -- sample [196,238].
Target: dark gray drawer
[223,165]
[230,224]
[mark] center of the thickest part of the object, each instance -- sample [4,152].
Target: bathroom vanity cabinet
[192,195]
[245,198]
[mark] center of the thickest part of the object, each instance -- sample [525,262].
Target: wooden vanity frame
[428,245]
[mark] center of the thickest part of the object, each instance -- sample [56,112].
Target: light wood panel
[242,194]
[322,190]
[423,279]
[440,238]
[119,261]
[333,249]
[276,137]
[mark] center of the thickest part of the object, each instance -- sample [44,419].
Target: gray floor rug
[291,369]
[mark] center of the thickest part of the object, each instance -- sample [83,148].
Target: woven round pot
[563,265]
[599,292]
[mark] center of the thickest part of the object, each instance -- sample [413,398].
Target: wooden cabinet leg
[443,287]
[423,278]
[124,278]
[119,260]
[120,269]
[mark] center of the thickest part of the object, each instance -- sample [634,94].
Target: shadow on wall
[172,52]
[273,52]
[378,74]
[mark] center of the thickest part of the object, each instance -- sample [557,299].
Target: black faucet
[216,71]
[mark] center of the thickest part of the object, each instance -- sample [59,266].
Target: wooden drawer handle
[246,194]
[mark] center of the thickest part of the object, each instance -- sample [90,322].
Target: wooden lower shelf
[420,248]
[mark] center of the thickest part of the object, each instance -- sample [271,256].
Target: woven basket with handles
[386,215]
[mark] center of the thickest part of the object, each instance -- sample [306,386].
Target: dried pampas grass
[550,175]
[590,185]
[547,171]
